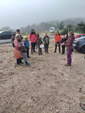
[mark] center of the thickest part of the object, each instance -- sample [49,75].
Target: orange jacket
[58,38]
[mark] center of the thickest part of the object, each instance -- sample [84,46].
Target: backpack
[23,49]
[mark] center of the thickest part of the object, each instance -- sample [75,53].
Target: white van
[52,29]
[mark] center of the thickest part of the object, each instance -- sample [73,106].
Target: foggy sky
[20,13]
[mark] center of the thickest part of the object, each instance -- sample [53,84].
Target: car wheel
[83,49]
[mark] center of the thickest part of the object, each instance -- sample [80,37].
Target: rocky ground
[47,86]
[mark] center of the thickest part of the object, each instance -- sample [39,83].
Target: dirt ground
[47,86]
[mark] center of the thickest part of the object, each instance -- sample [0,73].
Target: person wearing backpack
[33,38]
[12,38]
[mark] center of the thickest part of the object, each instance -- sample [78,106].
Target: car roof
[5,31]
[80,34]
[80,38]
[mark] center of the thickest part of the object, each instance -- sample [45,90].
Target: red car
[79,36]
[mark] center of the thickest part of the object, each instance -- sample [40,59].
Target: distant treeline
[59,25]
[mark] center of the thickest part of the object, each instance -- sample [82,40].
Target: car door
[9,34]
[2,35]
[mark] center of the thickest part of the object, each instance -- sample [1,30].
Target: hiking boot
[28,57]
[82,106]
[27,63]
[21,63]
[34,51]
[68,65]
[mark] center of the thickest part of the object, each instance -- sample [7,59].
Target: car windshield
[51,28]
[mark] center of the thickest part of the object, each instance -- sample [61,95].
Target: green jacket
[12,38]
[44,40]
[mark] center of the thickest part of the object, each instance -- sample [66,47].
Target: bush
[64,32]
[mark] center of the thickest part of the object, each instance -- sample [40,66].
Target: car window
[3,33]
[84,35]
[6,33]
[9,33]
[79,36]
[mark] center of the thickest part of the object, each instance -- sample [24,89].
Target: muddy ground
[47,86]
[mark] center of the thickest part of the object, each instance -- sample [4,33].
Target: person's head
[18,31]
[58,33]
[39,38]
[46,34]
[14,33]
[33,30]
[63,36]
[26,38]
[70,33]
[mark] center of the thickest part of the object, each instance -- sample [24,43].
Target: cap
[25,37]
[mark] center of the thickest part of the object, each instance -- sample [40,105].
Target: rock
[51,108]
[57,111]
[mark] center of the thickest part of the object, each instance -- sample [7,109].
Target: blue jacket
[26,43]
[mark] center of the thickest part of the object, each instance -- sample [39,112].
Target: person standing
[39,49]
[37,40]
[63,46]
[57,41]
[33,38]
[69,44]
[17,48]
[26,44]
[18,32]
[46,42]
[12,38]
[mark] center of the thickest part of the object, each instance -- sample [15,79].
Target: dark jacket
[63,40]
[39,43]
[12,38]
[69,42]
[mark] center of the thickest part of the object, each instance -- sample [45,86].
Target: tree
[69,26]
[64,32]
[82,27]
[60,25]
[6,28]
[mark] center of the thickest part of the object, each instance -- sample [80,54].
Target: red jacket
[57,38]
[33,37]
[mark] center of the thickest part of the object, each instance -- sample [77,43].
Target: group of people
[21,48]
[65,41]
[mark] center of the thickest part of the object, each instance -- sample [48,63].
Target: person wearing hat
[26,44]
[17,48]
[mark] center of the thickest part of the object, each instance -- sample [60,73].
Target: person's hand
[23,45]
[62,44]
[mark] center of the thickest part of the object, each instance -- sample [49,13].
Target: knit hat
[25,37]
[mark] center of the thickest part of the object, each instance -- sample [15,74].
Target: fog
[20,13]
